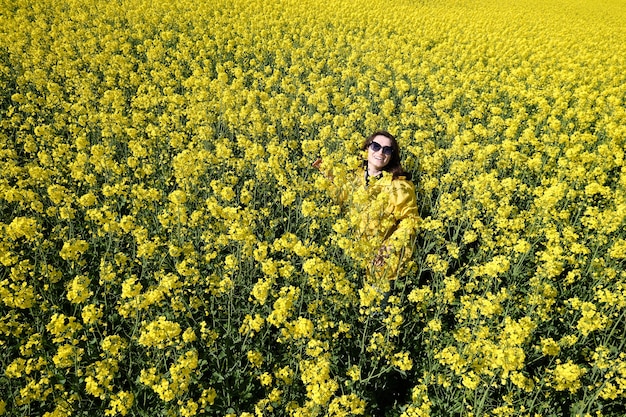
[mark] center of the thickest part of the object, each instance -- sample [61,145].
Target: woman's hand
[382,255]
[317,165]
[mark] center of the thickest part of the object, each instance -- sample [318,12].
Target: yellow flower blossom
[255,358]
[113,345]
[22,227]
[91,314]
[78,289]
[63,327]
[566,376]
[72,249]
[550,347]
[208,397]
[160,333]
[402,361]
[266,379]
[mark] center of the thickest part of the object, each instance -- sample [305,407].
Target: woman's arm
[339,189]
[403,208]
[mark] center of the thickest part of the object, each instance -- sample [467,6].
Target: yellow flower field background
[166,248]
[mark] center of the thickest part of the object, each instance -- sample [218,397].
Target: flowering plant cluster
[166,248]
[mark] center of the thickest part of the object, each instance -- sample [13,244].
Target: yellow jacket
[385,215]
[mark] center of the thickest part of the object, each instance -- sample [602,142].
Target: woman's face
[379,159]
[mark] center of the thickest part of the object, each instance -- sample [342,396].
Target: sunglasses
[375,147]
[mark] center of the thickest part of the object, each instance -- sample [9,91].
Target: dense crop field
[166,248]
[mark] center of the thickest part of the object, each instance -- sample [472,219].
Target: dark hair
[394,167]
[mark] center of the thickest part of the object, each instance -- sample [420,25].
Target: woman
[382,207]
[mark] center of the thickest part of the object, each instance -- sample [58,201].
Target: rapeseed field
[167,249]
